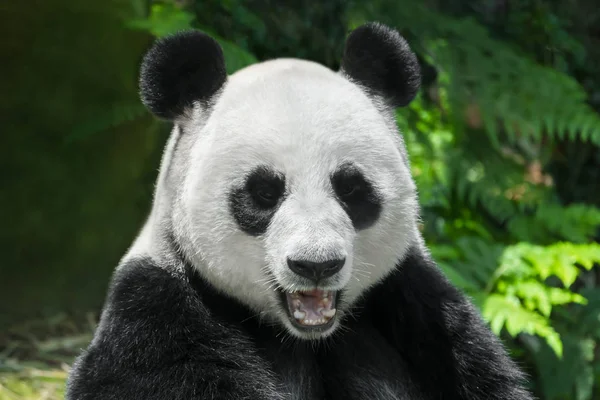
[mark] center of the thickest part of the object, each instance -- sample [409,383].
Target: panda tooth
[299,314]
[328,313]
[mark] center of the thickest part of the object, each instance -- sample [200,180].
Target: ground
[35,357]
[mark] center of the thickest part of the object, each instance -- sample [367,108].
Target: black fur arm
[156,340]
[447,346]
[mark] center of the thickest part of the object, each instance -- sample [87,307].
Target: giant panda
[282,257]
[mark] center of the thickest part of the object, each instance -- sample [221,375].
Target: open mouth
[313,309]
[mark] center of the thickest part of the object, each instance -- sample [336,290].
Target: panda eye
[265,187]
[266,195]
[348,189]
[349,184]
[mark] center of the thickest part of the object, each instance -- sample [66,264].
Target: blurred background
[504,143]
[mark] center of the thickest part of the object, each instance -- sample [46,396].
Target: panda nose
[315,271]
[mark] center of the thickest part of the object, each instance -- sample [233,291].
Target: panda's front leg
[157,341]
[450,351]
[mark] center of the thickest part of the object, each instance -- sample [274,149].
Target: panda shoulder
[141,288]
[167,305]
[164,308]
[155,324]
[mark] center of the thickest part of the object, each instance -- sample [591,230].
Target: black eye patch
[357,196]
[254,204]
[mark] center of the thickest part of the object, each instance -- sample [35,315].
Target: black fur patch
[380,60]
[357,196]
[180,69]
[254,204]
[158,340]
[450,352]
[165,333]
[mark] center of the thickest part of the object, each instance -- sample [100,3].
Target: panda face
[297,196]
[286,185]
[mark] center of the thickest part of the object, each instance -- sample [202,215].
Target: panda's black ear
[180,70]
[378,59]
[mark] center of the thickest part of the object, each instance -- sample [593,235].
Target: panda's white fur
[170,328]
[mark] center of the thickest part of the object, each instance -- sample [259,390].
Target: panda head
[288,187]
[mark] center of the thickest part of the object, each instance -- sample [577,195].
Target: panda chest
[352,370]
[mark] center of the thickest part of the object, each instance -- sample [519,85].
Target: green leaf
[164,19]
[562,296]
[507,312]
[538,295]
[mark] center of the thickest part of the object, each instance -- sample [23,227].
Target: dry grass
[33,383]
[35,356]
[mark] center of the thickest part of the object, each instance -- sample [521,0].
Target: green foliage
[510,283]
[576,375]
[507,311]
[505,85]
[577,223]
[69,208]
[164,19]
[168,18]
[522,301]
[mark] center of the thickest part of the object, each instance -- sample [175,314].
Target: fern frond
[507,312]
[512,281]
[560,259]
[508,86]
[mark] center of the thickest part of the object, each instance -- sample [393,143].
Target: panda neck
[150,240]
[223,306]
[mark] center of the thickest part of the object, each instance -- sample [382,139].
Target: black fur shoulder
[156,340]
[451,353]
